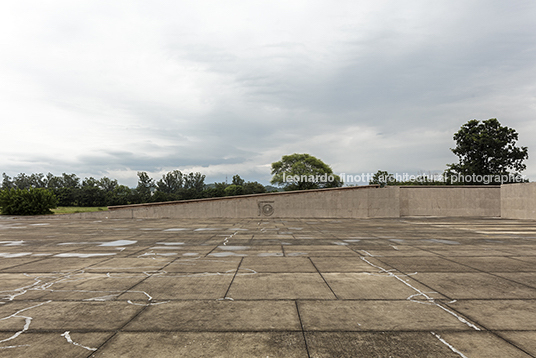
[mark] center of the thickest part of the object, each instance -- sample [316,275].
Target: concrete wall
[450,201]
[349,202]
[518,201]
[515,201]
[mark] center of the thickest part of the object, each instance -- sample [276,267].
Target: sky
[111,88]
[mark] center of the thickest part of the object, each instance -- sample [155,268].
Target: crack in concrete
[429,299]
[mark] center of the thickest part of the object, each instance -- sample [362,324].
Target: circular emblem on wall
[267,209]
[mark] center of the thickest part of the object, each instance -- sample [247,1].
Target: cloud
[110,89]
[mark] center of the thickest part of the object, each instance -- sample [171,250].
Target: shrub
[33,201]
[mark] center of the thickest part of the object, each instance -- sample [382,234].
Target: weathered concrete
[410,287]
[349,202]
[518,201]
[482,201]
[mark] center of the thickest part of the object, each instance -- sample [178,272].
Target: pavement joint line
[232,280]
[494,273]
[75,330]
[302,329]
[488,299]
[510,279]
[143,308]
[323,278]
[448,345]
[496,333]
[428,298]
[208,253]
[415,277]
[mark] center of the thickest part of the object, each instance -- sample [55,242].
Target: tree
[107,184]
[253,187]
[121,195]
[145,187]
[90,194]
[215,190]
[194,184]
[171,183]
[383,178]
[237,180]
[233,190]
[486,151]
[302,172]
[31,201]
[6,182]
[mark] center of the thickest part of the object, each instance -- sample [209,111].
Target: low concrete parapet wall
[518,201]
[450,200]
[347,202]
[512,201]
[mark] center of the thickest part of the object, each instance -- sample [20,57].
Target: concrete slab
[132,264]
[59,264]
[473,250]
[497,264]
[222,315]
[59,344]
[525,340]
[461,285]
[482,345]
[320,250]
[16,260]
[344,264]
[90,287]
[280,286]
[395,249]
[411,287]
[499,314]
[376,286]
[424,264]
[278,264]
[376,344]
[346,315]
[184,286]
[525,278]
[198,264]
[205,344]
[57,315]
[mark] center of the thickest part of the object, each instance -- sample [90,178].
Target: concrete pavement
[404,287]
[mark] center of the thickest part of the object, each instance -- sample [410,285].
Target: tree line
[487,154]
[70,190]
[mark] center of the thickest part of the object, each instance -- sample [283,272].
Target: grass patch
[77,209]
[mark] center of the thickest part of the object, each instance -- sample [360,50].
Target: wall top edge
[447,186]
[236,197]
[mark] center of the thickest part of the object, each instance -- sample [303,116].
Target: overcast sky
[109,88]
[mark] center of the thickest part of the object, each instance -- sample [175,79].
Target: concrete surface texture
[348,202]
[518,201]
[411,287]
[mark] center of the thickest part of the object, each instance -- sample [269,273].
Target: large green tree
[145,187]
[487,149]
[302,172]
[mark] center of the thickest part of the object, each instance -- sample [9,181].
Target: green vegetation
[70,191]
[77,209]
[487,149]
[384,178]
[32,201]
[302,172]
[487,154]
